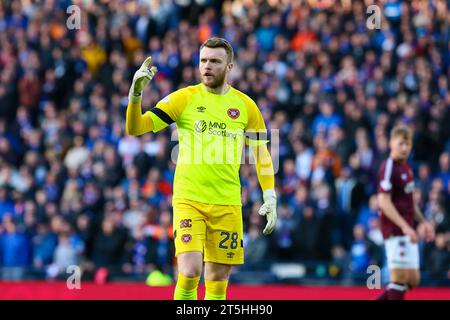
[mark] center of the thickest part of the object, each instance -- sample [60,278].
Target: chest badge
[233,113]
[404,176]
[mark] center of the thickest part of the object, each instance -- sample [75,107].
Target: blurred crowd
[76,190]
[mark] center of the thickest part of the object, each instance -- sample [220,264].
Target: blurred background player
[399,216]
[208,224]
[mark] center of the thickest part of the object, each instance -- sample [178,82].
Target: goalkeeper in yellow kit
[213,121]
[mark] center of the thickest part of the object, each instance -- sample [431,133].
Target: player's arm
[266,178]
[264,167]
[137,123]
[387,206]
[166,111]
[418,216]
[255,137]
[425,226]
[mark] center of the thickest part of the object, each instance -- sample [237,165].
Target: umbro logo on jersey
[201,109]
[233,113]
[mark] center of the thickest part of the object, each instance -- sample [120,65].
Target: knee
[401,278]
[216,276]
[414,281]
[191,271]
[190,264]
[221,273]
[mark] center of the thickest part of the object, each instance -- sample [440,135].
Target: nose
[207,65]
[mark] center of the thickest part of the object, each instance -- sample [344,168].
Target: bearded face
[214,66]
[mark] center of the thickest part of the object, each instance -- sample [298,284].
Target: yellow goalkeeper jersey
[211,131]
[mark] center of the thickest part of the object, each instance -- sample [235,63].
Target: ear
[230,66]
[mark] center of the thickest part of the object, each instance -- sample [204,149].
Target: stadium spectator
[257,245]
[360,256]
[14,249]
[438,259]
[108,246]
[44,244]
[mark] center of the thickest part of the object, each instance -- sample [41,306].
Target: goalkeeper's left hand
[269,209]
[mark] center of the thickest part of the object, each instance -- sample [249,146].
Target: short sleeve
[385,176]
[255,131]
[167,110]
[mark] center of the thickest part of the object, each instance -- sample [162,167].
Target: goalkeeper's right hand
[140,79]
[269,209]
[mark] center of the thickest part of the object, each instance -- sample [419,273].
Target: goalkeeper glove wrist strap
[269,194]
[135,97]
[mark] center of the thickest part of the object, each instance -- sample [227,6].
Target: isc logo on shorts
[186,223]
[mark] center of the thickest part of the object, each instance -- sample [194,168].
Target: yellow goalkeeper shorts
[214,230]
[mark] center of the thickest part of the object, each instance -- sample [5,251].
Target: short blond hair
[401,131]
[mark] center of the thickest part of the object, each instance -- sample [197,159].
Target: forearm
[265,172]
[266,181]
[136,123]
[418,216]
[264,167]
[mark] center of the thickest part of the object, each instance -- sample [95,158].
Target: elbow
[382,202]
[129,130]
